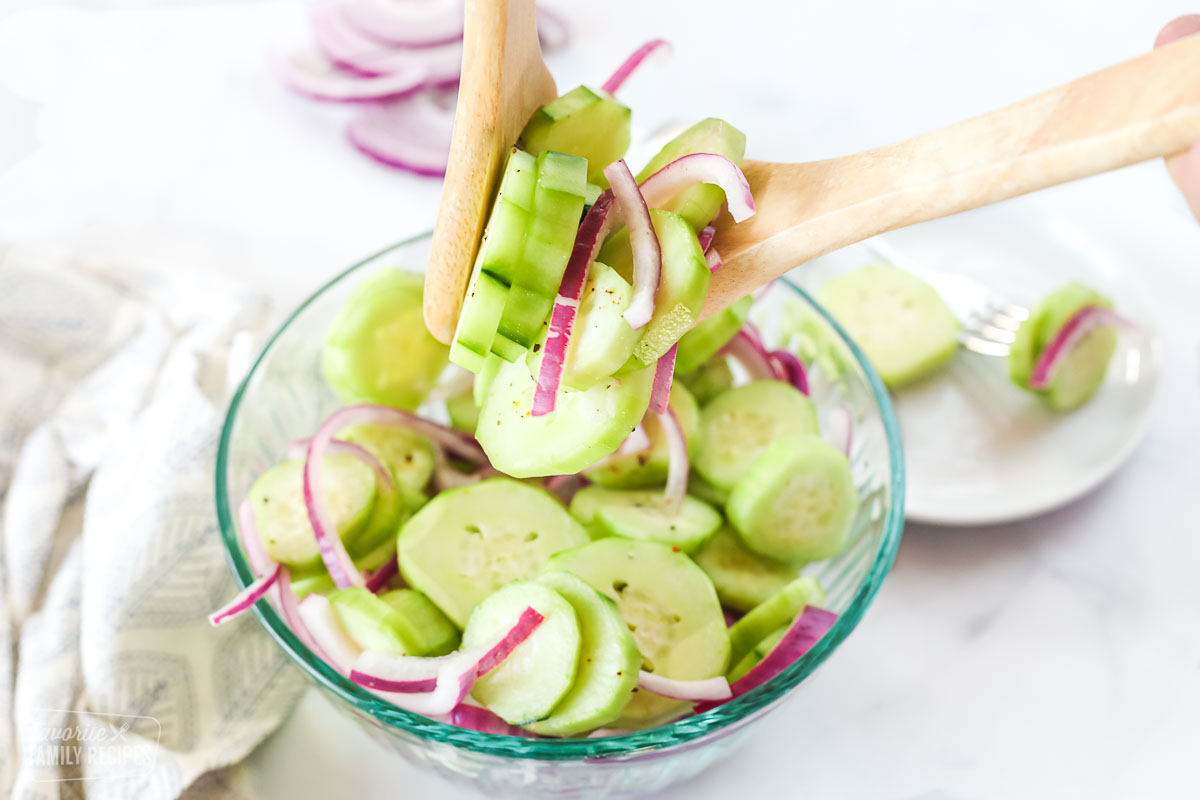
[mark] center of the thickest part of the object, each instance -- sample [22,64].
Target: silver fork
[989,320]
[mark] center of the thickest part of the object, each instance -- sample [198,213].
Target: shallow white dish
[979,450]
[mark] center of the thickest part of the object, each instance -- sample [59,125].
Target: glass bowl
[285,397]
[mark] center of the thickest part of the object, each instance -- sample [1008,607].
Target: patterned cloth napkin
[112,389]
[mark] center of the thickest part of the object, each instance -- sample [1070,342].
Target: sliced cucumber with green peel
[742,578]
[699,204]
[1082,371]
[681,289]
[406,454]
[482,308]
[314,580]
[464,414]
[527,685]
[737,425]
[760,651]
[669,605]
[282,517]
[643,514]
[484,377]
[797,502]
[585,122]
[466,543]
[583,428]
[709,380]
[375,624]
[602,340]
[428,631]
[776,611]
[393,505]
[699,487]
[609,661]
[377,349]
[649,467]
[900,321]
[703,341]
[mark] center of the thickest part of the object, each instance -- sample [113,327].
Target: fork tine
[987,347]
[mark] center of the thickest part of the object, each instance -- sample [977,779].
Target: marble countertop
[1058,657]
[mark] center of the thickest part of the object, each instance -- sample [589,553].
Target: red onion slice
[553,30]
[689,170]
[480,719]
[336,647]
[695,691]
[1083,322]
[678,465]
[807,629]
[298,448]
[618,78]
[595,226]
[706,236]
[453,678]
[311,74]
[379,578]
[409,133]
[647,253]
[246,598]
[527,623]
[789,368]
[256,554]
[750,355]
[348,47]
[637,440]
[839,429]
[713,259]
[407,23]
[289,604]
[664,375]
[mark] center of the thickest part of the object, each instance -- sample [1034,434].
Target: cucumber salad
[588,515]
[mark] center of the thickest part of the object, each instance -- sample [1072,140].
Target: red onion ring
[407,23]
[713,259]
[480,719]
[337,648]
[1083,322]
[618,78]
[689,170]
[298,448]
[678,464]
[753,359]
[379,578]
[315,76]
[647,253]
[410,133]
[347,46]
[246,598]
[711,689]
[664,374]
[790,369]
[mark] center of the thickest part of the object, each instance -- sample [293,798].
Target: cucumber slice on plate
[585,122]
[776,611]
[583,428]
[742,578]
[649,467]
[466,543]
[406,454]
[699,204]
[1079,376]
[900,321]
[681,289]
[427,630]
[709,380]
[608,661]
[703,341]
[282,517]
[643,514]
[737,426]
[377,349]
[797,502]
[670,607]
[527,685]
[757,654]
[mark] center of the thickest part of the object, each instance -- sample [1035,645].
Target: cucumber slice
[406,454]
[528,684]
[643,514]
[583,428]
[699,204]
[798,501]
[483,379]
[314,580]
[709,380]
[703,341]
[737,426]
[757,654]
[699,487]
[477,321]
[776,611]
[282,518]
[602,341]
[376,625]
[585,122]
[467,543]
[424,627]
[901,322]
[1080,375]
[377,349]
[464,414]
[608,661]
[742,578]
[393,505]
[376,558]
[669,605]
[649,467]
[681,290]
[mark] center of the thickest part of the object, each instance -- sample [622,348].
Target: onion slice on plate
[701,168]
[480,719]
[595,226]
[246,598]
[618,78]
[664,376]
[677,465]
[311,74]
[347,46]
[1083,322]
[410,133]
[407,23]
[804,632]
[643,241]
[708,689]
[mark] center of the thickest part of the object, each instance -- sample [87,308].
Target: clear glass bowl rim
[640,742]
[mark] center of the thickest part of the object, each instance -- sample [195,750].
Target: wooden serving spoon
[1145,108]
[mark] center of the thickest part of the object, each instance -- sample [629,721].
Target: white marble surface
[1055,658]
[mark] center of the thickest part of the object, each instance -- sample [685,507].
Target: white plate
[978,450]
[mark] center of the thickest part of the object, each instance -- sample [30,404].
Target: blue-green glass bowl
[284,397]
